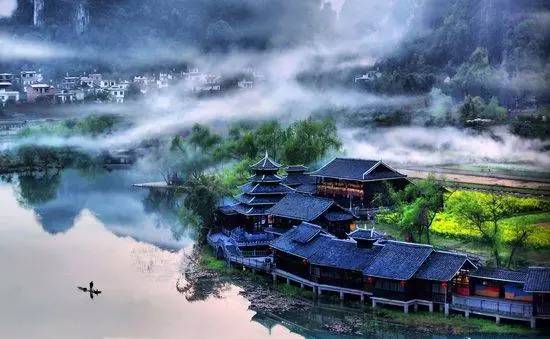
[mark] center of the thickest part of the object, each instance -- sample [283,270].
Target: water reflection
[40,271]
[61,230]
[58,199]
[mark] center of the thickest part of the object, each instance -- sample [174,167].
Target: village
[32,87]
[312,230]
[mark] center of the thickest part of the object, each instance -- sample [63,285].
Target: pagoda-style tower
[263,190]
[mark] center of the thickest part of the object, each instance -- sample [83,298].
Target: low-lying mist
[418,145]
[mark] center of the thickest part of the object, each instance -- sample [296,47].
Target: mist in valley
[307,66]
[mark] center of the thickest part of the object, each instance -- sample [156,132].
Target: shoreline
[281,300]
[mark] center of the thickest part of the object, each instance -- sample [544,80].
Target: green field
[448,232]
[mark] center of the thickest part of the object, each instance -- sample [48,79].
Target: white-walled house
[116,93]
[30,78]
[6,96]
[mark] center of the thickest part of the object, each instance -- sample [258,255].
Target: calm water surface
[58,232]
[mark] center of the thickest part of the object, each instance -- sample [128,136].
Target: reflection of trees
[198,284]
[39,188]
[166,203]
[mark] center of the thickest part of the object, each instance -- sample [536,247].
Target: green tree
[201,195]
[414,208]
[484,215]
[472,108]
[308,140]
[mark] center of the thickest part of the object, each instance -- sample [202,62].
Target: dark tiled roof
[343,254]
[265,178]
[309,241]
[338,216]
[500,274]
[441,266]
[251,210]
[294,179]
[227,210]
[361,234]
[301,206]
[398,260]
[266,164]
[538,280]
[357,169]
[296,168]
[249,199]
[288,242]
[306,232]
[253,188]
[307,188]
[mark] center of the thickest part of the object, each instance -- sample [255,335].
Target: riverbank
[207,276]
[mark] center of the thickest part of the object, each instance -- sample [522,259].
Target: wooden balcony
[495,307]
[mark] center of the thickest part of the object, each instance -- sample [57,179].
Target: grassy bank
[439,323]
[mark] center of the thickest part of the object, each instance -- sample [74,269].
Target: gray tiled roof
[306,232]
[307,188]
[250,210]
[441,266]
[343,254]
[296,168]
[338,216]
[301,206]
[254,188]
[538,280]
[356,169]
[500,274]
[398,260]
[309,241]
[294,179]
[292,241]
[361,234]
[249,199]
[266,164]
[265,178]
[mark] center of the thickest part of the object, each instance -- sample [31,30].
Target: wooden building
[355,182]
[295,208]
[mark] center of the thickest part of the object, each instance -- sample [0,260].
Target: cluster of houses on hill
[303,228]
[32,87]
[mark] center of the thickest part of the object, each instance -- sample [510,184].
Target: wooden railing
[255,253]
[493,306]
[542,310]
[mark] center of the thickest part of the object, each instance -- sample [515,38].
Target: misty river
[61,231]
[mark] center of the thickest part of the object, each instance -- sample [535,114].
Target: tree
[472,108]
[414,208]
[483,215]
[308,140]
[202,193]
[520,235]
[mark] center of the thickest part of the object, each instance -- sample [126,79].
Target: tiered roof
[263,190]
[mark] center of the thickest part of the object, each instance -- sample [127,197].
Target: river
[60,232]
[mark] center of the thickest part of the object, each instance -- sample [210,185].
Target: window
[389,285]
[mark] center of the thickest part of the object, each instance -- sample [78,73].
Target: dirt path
[537,187]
